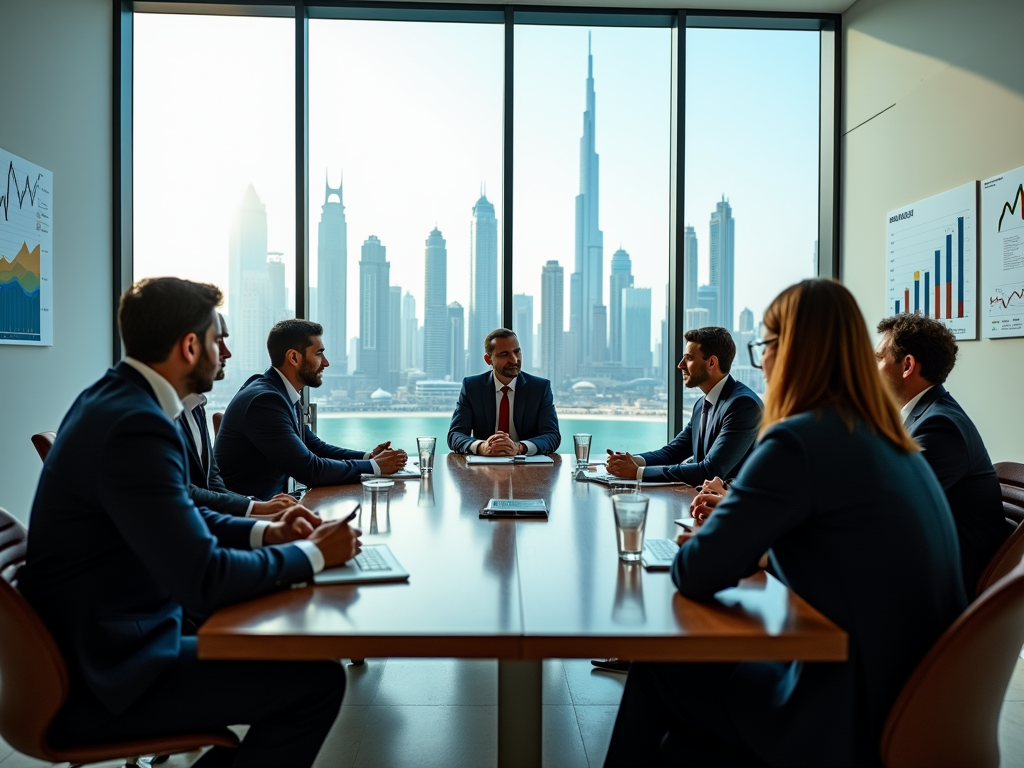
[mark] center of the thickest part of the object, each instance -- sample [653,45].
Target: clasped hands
[389,460]
[709,495]
[336,539]
[621,464]
[501,444]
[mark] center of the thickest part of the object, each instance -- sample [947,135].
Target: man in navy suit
[504,412]
[722,427]
[263,439]
[915,355]
[207,488]
[117,549]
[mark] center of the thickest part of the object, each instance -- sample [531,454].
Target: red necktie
[503,411]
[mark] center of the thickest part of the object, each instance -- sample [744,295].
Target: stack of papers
[538,459]
[600,476]
[405,474]
[536,509]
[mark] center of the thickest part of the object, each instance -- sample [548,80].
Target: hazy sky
[411,113]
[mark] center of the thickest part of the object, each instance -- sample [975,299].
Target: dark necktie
[200,416]
[298,420]
[703,428]
[503,411]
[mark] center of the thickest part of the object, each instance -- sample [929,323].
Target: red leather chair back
[43,441]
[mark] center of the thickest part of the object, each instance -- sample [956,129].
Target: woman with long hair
[853,521]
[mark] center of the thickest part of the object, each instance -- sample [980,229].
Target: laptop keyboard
[662,549]
[371,560]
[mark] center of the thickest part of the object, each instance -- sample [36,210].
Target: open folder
[538,459]
[524,509]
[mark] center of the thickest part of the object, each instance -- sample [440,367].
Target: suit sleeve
[227,502]
[759,509]
[328,451]
[459,433]
[144,491]
[271,429]
[548,436]
[676,452]
[737,433]
[213,478]
[944,448]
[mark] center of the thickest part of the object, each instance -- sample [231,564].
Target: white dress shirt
[906,409]
[171,405]
[531,449]
[711,397]
[293,396]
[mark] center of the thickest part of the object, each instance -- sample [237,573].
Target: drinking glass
[377,497]
[630,516]
[425,446]
[582,445]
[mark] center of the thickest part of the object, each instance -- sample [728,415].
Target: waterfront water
[366,431]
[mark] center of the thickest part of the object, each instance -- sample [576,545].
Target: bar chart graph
[931,259]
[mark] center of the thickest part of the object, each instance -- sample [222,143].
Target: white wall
[950,75]
[55,110]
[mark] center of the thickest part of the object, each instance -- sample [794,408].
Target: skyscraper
[522,324]
[332,277]
[395,332]
[621,277]
[746,321]
[707,298]
[435,307]
[552,296]
[636,328]
[723,257]
[483,277]
[375,314]
[249,288]
[586,285]
[690,264]
[410,332]
[456,334]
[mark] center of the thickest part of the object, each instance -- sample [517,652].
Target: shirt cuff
[376,470]
[367,455]
[474,447]
[256,534]
[531,449]
[248,511]
[639,474]
[641,460]
[312,551]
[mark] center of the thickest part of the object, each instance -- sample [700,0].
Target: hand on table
[380,449]
[338,541]
[296,523]
[499,444]
[391,461]
[273,508]
[621,465]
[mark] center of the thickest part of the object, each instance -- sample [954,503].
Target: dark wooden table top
[517,590]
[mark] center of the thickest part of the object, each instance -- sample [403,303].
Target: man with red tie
[504,412]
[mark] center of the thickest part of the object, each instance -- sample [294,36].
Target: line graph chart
[1002,264]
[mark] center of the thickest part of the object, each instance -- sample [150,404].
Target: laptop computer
[658,554]
[375,564]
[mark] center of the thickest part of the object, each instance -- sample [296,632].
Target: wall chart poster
[1002,268]
[932,259]
[26,253]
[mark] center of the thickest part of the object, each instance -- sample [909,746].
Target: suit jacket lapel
[274,378]
[490,408]
[520,403]
[190,444]
[927,399]
[199,414]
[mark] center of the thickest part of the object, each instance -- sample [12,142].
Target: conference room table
[518,591]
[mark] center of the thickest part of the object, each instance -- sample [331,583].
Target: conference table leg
[520,714]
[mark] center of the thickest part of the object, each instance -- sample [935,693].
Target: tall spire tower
[586,300]
[332,276]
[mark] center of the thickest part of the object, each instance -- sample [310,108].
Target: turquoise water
[359,431]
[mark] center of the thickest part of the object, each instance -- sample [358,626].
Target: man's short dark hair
[714,340]
[931,343]
[156,313]
[291,334]
[497,333]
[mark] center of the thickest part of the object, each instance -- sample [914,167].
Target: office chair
[217,417]
[947,715]
[43,441]
[1011,481]
[34,678]
[1003,561]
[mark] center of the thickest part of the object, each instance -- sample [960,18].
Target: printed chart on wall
[932,259]
[26,255]
[1002,242]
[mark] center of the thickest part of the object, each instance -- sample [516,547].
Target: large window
[592,149]
[213,169]
[609,180]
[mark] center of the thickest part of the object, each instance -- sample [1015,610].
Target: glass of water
[582,444]
[630,517]
[425,446]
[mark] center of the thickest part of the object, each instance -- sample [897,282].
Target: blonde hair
[824,357]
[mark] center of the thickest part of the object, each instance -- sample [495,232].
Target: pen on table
[352,514]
